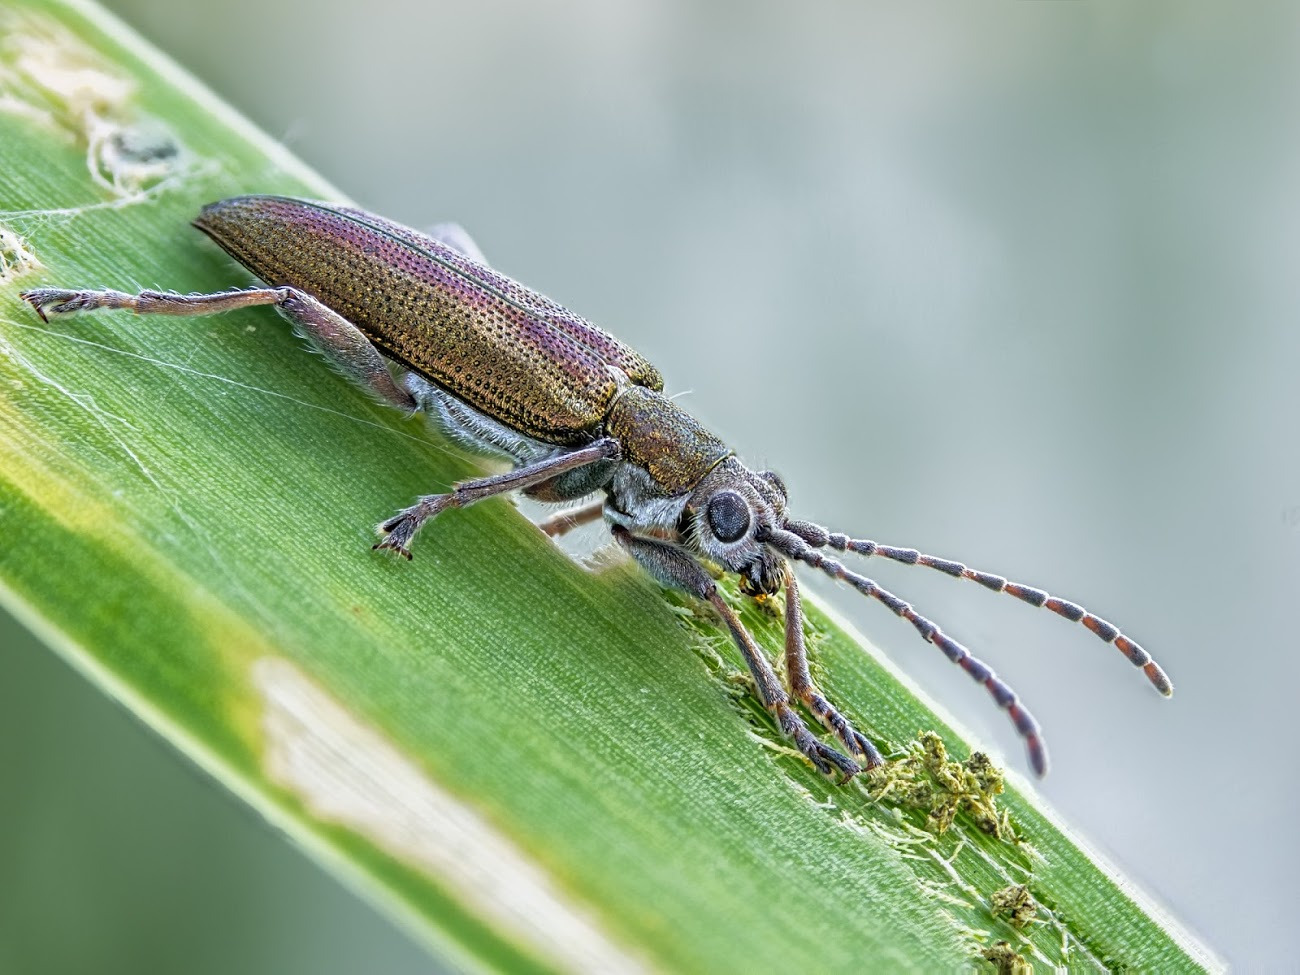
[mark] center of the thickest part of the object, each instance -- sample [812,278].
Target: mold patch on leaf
[1015,903]
[927,779]
[1006,961]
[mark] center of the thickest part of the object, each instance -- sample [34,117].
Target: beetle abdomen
[506,350]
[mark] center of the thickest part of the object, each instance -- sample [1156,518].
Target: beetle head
[729,514]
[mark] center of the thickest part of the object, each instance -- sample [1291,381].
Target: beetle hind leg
[343,345]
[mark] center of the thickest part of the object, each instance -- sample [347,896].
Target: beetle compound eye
[728,516]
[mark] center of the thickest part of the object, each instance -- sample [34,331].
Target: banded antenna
[802,541]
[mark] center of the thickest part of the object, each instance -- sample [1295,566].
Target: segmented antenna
[796,547]
[818,537]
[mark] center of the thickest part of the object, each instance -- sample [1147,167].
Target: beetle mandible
[578,413]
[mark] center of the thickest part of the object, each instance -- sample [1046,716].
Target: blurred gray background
[1011,282]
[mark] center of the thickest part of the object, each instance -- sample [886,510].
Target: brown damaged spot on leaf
[1005,959]
[1015,903]
[927,779]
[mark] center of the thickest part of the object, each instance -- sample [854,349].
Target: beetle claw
[829,756]
[391,546]
[52,301]
[858,745]
[398,531]
[823,756]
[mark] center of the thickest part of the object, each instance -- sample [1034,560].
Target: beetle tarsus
[58,301]
[802,687]
[822,755]
[856,743]
[387,545]
[399,530]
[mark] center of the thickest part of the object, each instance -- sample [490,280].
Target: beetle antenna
[817,536]
[795,546]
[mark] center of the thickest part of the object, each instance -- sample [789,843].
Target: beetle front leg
[344,346]
[802,686]
[400,529]
[673,567]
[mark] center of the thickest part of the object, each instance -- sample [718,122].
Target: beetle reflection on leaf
[579,414]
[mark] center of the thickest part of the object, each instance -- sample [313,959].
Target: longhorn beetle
[509,372]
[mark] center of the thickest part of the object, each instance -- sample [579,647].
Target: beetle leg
[565,521]
[802,686]
[795,547]
[344,346]
[674,567]
[401,528]
[458,239]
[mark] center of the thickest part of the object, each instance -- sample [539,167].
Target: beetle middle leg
[802,686]
[674,567]
[401,528]
[458,239]
[563,522]
[581,483]
[344,346]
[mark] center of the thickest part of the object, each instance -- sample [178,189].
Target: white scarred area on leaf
[346,773]
[51,78]
[15,256]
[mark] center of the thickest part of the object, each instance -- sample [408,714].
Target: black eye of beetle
[728,515]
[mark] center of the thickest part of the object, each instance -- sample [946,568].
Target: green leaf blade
[187,502]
